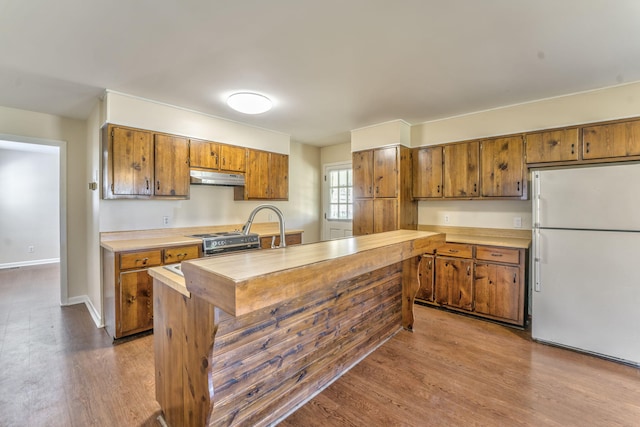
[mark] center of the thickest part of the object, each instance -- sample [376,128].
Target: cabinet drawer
[140,259]
[174,255]
[460,250]
[508,255]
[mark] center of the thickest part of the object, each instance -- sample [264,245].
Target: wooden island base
[218,369]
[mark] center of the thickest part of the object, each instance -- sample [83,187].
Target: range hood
[216,178]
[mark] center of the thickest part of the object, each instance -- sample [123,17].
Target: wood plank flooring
[58,369]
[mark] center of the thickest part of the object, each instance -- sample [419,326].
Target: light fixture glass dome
[249,102]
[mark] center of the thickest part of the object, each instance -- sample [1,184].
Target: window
[340,194]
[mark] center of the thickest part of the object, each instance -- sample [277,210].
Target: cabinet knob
[158,185]
[142,260]
[131,299]
[588,143]
[573,148]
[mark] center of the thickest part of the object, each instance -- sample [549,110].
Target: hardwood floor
[58,369]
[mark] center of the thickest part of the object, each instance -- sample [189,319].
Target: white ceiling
[330,66]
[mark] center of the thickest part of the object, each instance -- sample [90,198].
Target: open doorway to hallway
[30,208]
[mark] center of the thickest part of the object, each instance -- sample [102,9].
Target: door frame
[62,201]
[325,195]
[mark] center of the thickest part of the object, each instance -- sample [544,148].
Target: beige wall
[379,135]
[142,113]
[74,135]
[338,153]
[610,103]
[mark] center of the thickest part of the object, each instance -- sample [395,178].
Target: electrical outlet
[31,249]
[165,220]
[517,222]
[446,219]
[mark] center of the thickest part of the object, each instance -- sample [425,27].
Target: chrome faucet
[247,227]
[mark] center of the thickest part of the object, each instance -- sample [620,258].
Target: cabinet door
[362,217]
[385,172]
[498,290]
[278,176]
[136,302]
[613,140]
[171,166]
[426,276]
[257,180]
[362,174]
[502,167]
[385,215]
[233,159]
[132,162]
[203,154]
[454,282]
[427,172]
[553,146]
[461,173]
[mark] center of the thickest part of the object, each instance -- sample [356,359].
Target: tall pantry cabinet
[382,191]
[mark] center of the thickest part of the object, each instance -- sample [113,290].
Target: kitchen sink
[175,268]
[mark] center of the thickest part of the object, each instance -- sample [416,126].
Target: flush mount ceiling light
[249,102]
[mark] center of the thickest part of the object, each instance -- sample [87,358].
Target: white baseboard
[29,263]
[97,319]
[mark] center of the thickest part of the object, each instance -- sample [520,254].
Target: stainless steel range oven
[221,243]
[217,243]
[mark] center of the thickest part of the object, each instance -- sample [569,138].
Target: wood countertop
[510,238]
[247,281]
[121,241]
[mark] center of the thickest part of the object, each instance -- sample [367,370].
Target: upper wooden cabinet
[143,164]
[362,165]
[461,170]
[216,156]
[502,167]
[232,158]
[171,166]
[427,172]
[385,172]
[552,146]
[267,177]
[382,190]
[611,140]
[204,154]
[128,163]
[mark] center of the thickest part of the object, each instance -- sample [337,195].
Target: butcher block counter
[256,334]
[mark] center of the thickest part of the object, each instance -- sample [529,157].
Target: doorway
[337,201]
[34,225]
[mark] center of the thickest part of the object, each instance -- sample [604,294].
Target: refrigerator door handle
[536,260]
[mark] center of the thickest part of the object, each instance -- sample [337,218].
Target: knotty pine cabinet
[491,168]
[484,281]
[611,140]
[267,177]
[502,169]
[461,170]
[552,146]
[603,142]
[143,164]
[216,156]
[427,172]
[382,191]
[128,288]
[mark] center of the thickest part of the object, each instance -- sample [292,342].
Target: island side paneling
[268,362]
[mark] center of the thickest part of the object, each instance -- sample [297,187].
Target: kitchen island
[252,336]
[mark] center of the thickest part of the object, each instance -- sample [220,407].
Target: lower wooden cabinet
[128,288]
[290,240]
[485,281]
[454,282]
[497,291]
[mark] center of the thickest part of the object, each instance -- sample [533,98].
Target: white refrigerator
[586,250]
